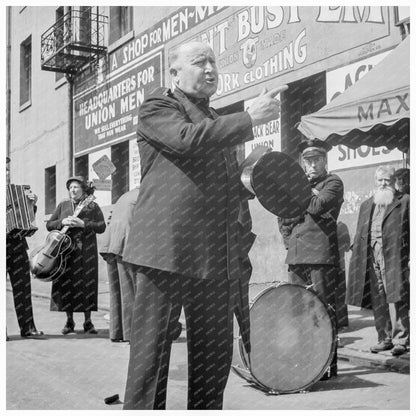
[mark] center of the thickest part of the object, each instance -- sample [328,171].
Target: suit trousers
[122,287]
[208,311]
[323,279]
[391,319]
[17,263]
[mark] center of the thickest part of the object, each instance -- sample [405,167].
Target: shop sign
[268,134]
[258,43]
[103,167]
[342,157]
[108,113]
[182,20]
[134,164]
[102,185]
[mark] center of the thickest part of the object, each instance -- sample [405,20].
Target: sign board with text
[108,113]
[342,157]
[255,44]
[268,134]
[134,164]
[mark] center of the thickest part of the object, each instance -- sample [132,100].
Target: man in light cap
[311,239]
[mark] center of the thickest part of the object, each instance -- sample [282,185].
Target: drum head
[292,338]
[280,185]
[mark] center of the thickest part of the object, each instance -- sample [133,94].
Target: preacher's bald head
[183,49]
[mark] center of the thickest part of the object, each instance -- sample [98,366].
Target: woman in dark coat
[76,290]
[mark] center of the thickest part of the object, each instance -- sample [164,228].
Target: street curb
[368,359]
[358,357]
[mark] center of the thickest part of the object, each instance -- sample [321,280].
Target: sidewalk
[355,340]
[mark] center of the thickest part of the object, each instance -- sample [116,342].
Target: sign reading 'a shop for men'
[106,113]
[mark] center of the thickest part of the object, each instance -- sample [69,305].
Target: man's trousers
[17,263]
[121,284]
[209,324]
[391,319]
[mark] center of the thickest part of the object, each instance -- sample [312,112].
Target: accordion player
[20,211]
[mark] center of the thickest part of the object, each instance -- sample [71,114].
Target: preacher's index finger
[274,91]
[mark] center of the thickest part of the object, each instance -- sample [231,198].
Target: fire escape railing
[75,40]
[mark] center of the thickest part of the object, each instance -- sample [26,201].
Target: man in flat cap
[311,239]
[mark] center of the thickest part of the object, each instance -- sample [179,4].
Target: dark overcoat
[395,235]
[185,219]
[77,289]
[312,238]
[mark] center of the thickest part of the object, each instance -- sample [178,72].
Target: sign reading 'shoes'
[107,114]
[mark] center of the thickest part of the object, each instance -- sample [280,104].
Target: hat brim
[74,179]
[281,185]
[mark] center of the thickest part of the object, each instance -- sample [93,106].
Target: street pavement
[78,371]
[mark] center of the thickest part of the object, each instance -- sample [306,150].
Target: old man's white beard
[383,197]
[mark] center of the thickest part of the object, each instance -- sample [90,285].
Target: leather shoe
[32,334]
[68,328]
[89,328]
[398,350]
[381,346]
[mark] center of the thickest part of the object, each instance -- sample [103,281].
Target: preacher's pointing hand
[265,107]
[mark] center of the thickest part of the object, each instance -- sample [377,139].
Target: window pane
[25,70]
[50,189]
[121,22]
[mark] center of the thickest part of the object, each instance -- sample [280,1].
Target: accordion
[20,211]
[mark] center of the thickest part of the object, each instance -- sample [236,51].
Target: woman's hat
[79,179]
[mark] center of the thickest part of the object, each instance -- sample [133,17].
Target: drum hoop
[332,318]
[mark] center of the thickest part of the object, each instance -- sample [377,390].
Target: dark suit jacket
[185,220]
[312,238]
[118,228]
[395,235]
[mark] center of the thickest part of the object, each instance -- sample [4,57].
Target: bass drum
[293,339]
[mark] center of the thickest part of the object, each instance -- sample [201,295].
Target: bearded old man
[379,268]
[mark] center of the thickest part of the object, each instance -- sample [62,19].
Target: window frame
[26,99]
[124,25]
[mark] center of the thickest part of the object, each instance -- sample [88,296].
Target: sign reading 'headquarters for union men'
[106,112]
[252,45]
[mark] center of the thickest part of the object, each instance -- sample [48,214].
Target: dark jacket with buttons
[186,217]
[312,238]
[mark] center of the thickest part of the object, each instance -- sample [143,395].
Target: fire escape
[76,39]
[74,42]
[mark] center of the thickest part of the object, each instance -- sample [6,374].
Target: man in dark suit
[17,263]
[311,239]
[185,234]
[120,274]
[379,266]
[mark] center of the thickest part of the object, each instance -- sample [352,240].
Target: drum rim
[332,318]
